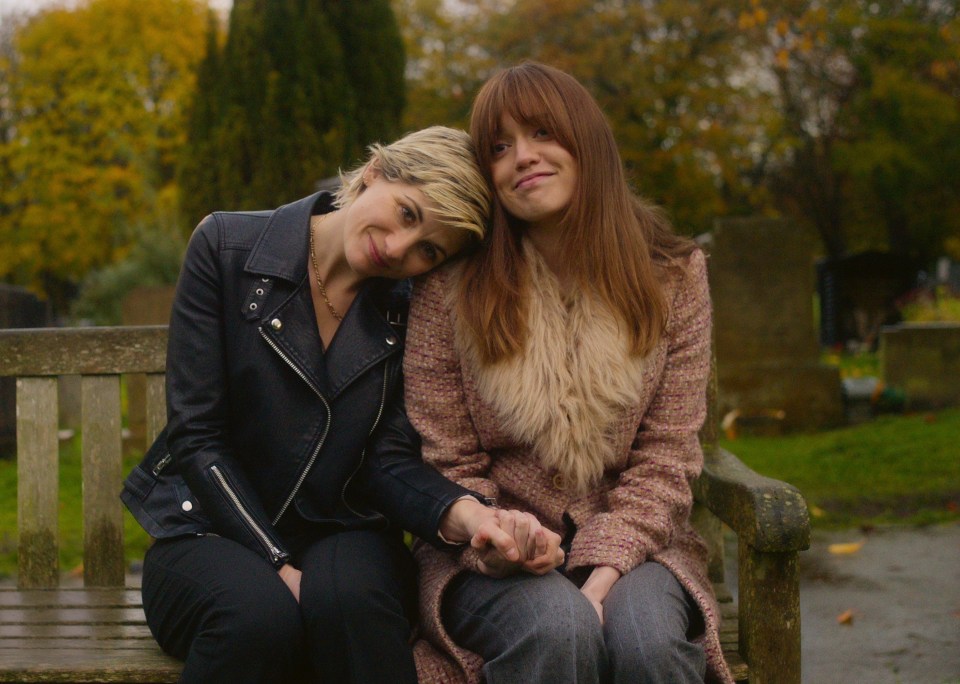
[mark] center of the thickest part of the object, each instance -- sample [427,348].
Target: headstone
[923,361]
[19,308]
[768,369]
[142,306]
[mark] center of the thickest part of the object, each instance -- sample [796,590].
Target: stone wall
[922,360]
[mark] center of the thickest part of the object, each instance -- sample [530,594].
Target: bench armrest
[769,515]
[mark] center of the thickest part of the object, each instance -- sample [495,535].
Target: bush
[154,260]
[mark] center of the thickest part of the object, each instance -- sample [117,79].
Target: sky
[7,6]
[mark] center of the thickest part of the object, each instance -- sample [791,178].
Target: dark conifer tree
[285,103]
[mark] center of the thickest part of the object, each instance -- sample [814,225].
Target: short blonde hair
[440,161]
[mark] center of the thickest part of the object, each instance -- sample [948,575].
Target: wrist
[461,520]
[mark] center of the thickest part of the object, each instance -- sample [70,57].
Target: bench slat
[80,351]
[70,596]
[156,406]
[38,484]
[102,470]
[79,633]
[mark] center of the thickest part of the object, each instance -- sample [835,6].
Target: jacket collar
[281,250]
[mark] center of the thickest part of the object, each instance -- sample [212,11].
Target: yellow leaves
[845,548]
[782,28]
[782,58]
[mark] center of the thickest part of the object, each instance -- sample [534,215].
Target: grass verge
[894,469]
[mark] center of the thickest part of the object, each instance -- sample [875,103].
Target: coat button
[276,324]
[186,506]
[391,340]
[559,481]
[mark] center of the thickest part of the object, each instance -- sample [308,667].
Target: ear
[371,173]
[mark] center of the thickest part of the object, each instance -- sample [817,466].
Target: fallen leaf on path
[845,549]
[845,618]
[817,512]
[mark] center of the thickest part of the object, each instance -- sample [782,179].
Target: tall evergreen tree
[374,59]
[299,88]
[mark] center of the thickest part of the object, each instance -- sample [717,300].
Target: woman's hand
[598,585]
[508,541]
[538,548]
[291,577]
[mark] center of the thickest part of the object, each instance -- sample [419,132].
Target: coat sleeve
[405,489]
[196,380]
[435,397]
[652,498]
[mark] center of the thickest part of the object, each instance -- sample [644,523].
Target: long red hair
[614,243]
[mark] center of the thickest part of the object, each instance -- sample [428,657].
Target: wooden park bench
[97,632]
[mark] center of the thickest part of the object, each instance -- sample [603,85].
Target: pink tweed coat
[505,432]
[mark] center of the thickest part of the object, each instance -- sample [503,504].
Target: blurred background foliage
[123,122]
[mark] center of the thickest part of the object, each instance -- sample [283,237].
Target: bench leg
[769,597]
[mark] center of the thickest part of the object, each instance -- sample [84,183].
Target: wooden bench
[97,632]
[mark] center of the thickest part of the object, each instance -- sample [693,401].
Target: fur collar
[564,395]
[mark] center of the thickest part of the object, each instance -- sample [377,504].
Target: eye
[542,133]
[499,148]
[407,214]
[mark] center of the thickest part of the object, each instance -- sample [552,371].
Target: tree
[92,130]
[869,109]
[298,89]
[664,73]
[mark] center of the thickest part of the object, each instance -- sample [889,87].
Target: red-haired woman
[562,371]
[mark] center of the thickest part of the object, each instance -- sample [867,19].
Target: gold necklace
[316,271]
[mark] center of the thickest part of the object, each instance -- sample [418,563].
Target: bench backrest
[99,356]
[36,357]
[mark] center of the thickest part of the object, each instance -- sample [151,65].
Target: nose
[526,152]
[398,243]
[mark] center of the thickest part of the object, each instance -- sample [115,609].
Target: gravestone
[762,284]
[923,361]
[142,306]
[19,308]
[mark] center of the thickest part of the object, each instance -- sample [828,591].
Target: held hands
[507,541]
[513,541]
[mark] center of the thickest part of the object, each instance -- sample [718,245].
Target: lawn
[895,469]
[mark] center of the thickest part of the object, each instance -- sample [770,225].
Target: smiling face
[392,230]
[534,176]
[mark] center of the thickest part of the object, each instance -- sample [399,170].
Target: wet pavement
[887,612]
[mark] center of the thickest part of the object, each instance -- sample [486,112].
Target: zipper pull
[161,464]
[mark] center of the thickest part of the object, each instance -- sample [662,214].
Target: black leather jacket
[261,419]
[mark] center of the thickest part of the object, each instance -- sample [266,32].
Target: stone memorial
[762,285]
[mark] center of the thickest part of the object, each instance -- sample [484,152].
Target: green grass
[70,517]
[894,469]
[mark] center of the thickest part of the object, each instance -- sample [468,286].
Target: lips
[375,255]
[530,180]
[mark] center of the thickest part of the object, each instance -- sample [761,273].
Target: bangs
[529,100]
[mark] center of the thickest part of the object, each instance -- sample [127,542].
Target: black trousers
[226,613]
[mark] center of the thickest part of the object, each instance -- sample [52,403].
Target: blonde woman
[279,489]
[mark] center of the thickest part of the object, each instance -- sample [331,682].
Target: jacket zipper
[323,438]
[383,402]
[275,553]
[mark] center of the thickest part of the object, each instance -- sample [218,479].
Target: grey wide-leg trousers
[531,629]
